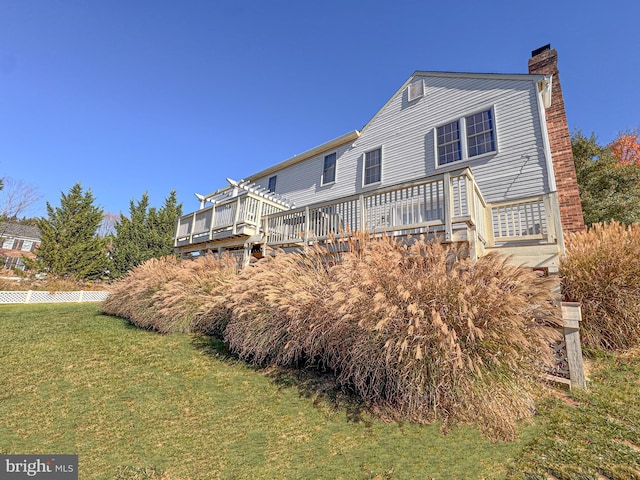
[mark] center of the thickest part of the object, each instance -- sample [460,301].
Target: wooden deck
[449,205]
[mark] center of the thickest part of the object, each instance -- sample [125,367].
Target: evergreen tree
[69,242]
[609,189]
[146,233]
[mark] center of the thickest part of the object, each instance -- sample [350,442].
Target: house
[480,158]
[18,241]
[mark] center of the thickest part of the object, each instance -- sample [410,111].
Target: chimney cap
[538,51]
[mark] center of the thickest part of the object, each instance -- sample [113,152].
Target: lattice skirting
[33,296]
[561,368]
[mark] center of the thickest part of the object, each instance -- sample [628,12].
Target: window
[272,183]
[373,166]
[479,138]
[449,143]
[14,262]
[8,243]
[329,169]
[27,245]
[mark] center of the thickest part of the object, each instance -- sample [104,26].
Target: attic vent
[415,90]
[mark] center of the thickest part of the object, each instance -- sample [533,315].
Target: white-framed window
[372,166]
[329,169]
[481,136]
[449,145]
[272,183]
[8,243]
[27,245]
[466,138]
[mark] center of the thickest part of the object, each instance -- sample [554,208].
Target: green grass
[138,405]
[593,434]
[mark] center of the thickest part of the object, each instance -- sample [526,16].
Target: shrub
[415,330]
[602,271]
[170,295]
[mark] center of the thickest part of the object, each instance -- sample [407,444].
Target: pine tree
[69,244]
[146,233]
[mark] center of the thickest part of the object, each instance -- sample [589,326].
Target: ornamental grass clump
[441,336]
[602,271]
[133,297]
[194,300]
[418,331]
[171,295]
[275,303]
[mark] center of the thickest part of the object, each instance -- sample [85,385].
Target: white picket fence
[33,296]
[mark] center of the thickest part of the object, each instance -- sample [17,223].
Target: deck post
[488,221]
[448,208]
[246,255]
[472,230]
[363,214]
[193,222]
[471,197]
[212,223]
[306,226]
[549,213]
[554,217]
[258,213]
[264,225]
[236,215]
[572,315]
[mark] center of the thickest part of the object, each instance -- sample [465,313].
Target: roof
[495,76]
[336,142]
[18,230]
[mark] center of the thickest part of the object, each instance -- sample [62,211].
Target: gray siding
[405,131]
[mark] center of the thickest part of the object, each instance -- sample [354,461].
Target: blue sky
[128,96]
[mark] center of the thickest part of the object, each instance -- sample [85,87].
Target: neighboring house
[18,241]
[481,158]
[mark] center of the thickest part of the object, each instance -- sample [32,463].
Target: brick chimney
[544,61]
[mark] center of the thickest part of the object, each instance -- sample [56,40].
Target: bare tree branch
[107,227]
[17,197]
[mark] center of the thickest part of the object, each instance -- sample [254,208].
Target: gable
[404,130]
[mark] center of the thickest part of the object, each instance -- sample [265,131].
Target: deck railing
[450,203]
[443,202]
[240,214]
[524,219]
